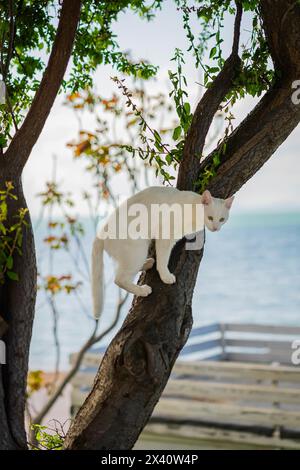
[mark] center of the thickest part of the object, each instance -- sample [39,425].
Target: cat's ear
[206,198]
[228,202]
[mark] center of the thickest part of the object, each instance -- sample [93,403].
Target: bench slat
[260,328]
[169,408]
[216,435]
[238,370]
[209,391]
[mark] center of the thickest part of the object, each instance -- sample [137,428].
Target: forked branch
[206,110]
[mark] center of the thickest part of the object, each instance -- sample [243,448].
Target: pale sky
[274,187]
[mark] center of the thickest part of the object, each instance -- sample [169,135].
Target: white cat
[130,250]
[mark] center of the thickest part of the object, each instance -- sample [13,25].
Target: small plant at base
[45,440]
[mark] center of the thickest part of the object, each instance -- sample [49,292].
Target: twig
[11,38]
[237,27]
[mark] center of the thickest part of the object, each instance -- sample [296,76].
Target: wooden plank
[263,328]
[220,369]
[210,355]
[260,343]
[210,391]
[205,329]
[78,396]
[202,346]
[83,379]
[260,358]
[237,371]
[189,410]
[198,433]
[89,359]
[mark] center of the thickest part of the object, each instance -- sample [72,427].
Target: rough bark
[3,327]
[139,360]
[17,299]
[17,302]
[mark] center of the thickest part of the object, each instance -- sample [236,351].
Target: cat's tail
[97,277]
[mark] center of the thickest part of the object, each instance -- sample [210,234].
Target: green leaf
[13,276]
[157,136]
[177,133]
[187,108]
[213,52]
[9,262]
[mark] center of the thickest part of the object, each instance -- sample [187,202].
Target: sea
[250,274]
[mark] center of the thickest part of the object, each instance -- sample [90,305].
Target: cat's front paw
[145,290]
[168,278]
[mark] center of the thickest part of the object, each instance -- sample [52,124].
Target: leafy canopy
[27,32]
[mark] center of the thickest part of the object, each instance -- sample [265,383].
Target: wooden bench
[232,384]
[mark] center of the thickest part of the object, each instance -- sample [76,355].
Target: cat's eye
[222,219]
[210,218]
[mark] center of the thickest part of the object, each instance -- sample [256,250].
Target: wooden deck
[233,387]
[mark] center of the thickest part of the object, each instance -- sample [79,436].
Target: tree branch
[11,38]
[206,110]
[23,141]
[255,140]
[282,32]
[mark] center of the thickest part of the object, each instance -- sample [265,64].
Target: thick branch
[17,301]
[205,112]
[281,24]
[23,141]
[255,140]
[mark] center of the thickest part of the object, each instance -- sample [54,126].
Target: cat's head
[216,211]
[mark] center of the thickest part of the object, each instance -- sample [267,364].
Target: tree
[85,28]
[139,360]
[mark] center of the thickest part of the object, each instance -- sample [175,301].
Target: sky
[276,187]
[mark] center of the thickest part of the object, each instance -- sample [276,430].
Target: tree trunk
[139,360]
[137,365]
[17,303]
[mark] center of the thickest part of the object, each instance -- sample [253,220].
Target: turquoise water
[250,273]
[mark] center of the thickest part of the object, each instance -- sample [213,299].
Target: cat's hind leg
[163,252]
[148,264]
[124,278]
[130,260]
